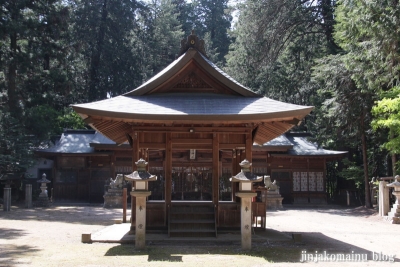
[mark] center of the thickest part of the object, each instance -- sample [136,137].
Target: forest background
[343,57]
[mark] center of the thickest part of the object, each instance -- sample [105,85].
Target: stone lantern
[43,200]
[141,178]
[246,179]
[394,214]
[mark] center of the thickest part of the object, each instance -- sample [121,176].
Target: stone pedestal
[383,199]
[394,214]
[246,179]
[140,232]
[139,194]
[113,198]
[7,198]
[245,218]
[28,196]
[43,200]
[274,200]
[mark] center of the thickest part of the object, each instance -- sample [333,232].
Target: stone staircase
[192,220]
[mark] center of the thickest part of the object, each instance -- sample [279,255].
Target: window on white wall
[308,181]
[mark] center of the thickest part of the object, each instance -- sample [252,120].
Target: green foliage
[185,15]
[36,79]
[351,81]
[163,36]
[369,32]
[212,19]
[40,121]
[276,44]
[345,109]
[353,172]
[15,145]
[104,32]
[69,119]
[43,122]
[387,116]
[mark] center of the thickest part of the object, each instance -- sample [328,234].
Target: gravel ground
[52,237]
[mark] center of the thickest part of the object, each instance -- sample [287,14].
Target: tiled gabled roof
[300,146]
[76,142]
[192,55]
[84,141]
[180,106]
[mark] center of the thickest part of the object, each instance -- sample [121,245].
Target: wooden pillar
[168,173]
[235,170]
[249,147]
[124,197]
[216,170]
[135,158]
[113,160]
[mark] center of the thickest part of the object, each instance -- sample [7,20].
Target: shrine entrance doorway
[191,183]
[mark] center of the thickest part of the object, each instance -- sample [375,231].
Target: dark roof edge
[95,153]
[79,131]
[272,148]
[298,134]
[331,156]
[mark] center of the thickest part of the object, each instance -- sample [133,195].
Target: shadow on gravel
[359,211]
[11,255]
[355,212]
[314,247]
[7,233]
[70,214]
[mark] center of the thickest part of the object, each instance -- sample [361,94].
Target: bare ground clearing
[52,237]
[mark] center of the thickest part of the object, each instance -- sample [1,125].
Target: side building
[85,160]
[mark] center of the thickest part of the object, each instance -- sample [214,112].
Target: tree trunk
[327,10]
[368,203]
[96,55]
[12,69]
[394,158]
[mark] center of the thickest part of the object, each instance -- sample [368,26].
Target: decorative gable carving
[192,81]
[193,41]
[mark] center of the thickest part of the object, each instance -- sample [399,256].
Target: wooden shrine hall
[193,124]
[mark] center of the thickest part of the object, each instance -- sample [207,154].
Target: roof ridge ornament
[192,41]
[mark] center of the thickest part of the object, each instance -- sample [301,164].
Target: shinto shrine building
[193,124]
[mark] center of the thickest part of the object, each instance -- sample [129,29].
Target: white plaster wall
[41,163]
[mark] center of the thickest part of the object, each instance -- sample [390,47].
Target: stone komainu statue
[272,186]
[118,182]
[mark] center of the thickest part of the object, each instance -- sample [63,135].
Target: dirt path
[51,237]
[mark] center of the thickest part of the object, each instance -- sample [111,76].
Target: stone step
[192,220]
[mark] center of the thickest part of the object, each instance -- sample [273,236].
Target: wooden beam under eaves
[130,139]
[90,120]
[294,121]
